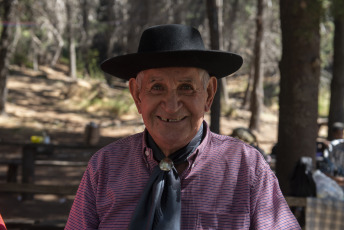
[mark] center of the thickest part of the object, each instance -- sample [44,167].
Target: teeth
[170,120]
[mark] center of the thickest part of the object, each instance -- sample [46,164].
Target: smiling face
[172,102]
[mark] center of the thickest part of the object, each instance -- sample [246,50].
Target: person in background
[325,147]
[337,130]
[177,174]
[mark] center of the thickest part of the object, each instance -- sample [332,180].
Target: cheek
[199,107]
[147,108]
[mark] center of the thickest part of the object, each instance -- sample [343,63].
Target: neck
[176,155]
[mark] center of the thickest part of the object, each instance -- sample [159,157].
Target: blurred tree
[71,13]
[5,42]
[300,73]
[85,41]
[212,11]
[257,92]
[51,20]
[336,110]
[107,16]
[228,15]
[139,16]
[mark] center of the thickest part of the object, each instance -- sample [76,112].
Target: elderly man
[177,174]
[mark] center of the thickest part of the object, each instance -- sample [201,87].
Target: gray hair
[201,72]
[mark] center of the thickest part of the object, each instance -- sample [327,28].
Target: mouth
[171,120]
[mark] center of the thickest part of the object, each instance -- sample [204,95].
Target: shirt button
[147,153]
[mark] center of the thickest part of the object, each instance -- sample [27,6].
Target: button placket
[150,162]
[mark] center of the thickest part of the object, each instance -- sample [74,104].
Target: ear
[211,90]
[135,92]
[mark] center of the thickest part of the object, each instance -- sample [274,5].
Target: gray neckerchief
[159,207]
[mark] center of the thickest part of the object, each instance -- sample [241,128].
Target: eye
[185,87]
[156,88]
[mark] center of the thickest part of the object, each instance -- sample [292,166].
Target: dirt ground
[37,102]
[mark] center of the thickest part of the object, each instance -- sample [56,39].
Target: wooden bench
[298,206]
[29,224]
[38,189]
[26,223]
[13,167]
[296,201]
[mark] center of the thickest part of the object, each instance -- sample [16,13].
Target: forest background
[293,52]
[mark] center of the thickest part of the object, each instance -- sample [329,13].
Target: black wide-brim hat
[172,46]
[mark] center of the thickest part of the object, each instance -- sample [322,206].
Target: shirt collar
[148,152]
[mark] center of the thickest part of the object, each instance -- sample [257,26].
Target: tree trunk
[71,41]
[257,92]
[336,111]
[247,96]
[86,41]
[58,50]
[300,74]
[4,50]
[223,84]
[215,44]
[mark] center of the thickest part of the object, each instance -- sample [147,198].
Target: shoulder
[118,152]
[122,145]
[231,146]
[235,152]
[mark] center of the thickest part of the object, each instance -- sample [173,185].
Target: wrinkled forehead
[171,74]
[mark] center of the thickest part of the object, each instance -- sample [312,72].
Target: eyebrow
[154,79]
[184,80]
[187,80]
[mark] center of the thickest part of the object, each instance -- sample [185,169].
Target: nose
[171,102]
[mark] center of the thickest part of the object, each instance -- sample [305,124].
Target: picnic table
[39,154]
[320,213]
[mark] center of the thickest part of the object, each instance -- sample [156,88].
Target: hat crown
[170,38]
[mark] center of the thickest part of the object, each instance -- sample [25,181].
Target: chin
[178,140]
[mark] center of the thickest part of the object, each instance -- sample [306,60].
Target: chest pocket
[219,221]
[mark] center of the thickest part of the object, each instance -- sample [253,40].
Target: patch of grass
[323,102]
[110,106]
[115,105]
[228,111]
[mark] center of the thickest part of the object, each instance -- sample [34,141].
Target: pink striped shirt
[228,185]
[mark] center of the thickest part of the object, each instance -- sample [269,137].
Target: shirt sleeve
[2,224]
[83,214]
[269,209]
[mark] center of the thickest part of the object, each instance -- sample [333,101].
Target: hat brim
[217,63]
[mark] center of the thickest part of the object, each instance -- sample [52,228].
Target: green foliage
[64,60]
[22,60]
[228,111]
[326,44]
[271,92]
[22,55]
[323,101]
[338,8]
[103,100]
[324,94]
[113,107]
[92,64]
